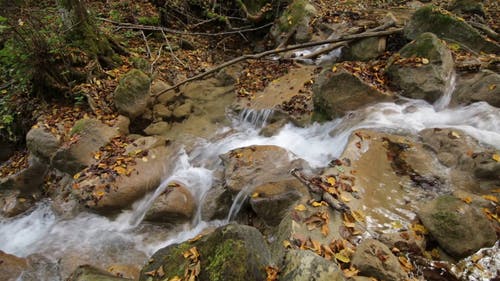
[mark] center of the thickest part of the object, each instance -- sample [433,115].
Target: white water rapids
[42,231]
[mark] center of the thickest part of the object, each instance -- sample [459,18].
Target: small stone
[162,111]
[183,111]
[158,128]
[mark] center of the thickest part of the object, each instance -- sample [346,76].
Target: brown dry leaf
[350,272]
[316,246]
[175,278]
[272,273]
[160,272]
[327,252]
[151,273]
[349,224]
[325,230]
[492,198]
[300,208]
[405,263]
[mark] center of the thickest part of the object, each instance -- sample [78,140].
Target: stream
[125,239]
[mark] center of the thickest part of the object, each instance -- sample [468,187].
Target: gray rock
[132,95]
[449,27]
[233,252]
[122,123]
[424,81]
[249,167]
[459,228]
[184,110]
[167,98]
[161,111]
[92,134]
[481,86]
[273,199]
[365,49]
[174,206]
[216,203]
[467,7]
[42,143]
[157,86]
[335,93]
[303,265]
[12,204]
[158,128]
[374,259]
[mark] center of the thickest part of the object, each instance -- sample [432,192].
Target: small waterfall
[445,99]
[238,202]
[256,118]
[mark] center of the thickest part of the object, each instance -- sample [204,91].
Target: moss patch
[228,262]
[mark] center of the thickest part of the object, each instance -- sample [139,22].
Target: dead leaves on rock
[272,273]
[16,163]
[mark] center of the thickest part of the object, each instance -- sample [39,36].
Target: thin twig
[172,51]
[123,25]
[147,45]
[156,59]
[277,51]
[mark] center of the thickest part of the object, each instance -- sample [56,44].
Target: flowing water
[42,231]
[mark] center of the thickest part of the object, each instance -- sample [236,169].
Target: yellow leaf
[397,224]
[454,135]
[331,181]
[21,200]
[300,208]
[467,199]
[317,204]
[418,228]
[77,176]
[120,170]
[492,87]
[492,198]
[175,278]
[405,263]
[255,195]
[350,272]
[342,258]
[334,68]
[344,199]
[349,224]
[425,61]
[287,244]
[496,157]
[359,216]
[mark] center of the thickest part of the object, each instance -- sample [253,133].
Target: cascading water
[42,231]
[445,99]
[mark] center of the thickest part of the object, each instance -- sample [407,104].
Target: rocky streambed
[399,180]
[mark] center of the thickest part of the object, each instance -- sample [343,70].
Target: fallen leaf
[317,204]
[496,157]
[287,244]
[120,170]
[492,198]
[342,258]
[405,263]
[358,215]
[175,278]
[255,195]
[425,61]
[350,272]
[272,273]
[331,181]
[77,176]
[300,208]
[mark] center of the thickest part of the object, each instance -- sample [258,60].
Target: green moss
[426,45]
[154,20]
[448,222]
[293,14]
[228,262]
[79,126]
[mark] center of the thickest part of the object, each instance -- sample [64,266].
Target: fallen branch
[125,25]
[277,51]
[486,29]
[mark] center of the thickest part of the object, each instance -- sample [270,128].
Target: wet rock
[132,95]
[459,228]
[161,111]
[216,204]
[449,27]
[335,93]
[89,273]
[111,195]
[145,143]
[233,252]
[175,205]
[184,110]
[252,166]
[273,128]
[11,266]
[481,86]
[296,18]
[27,180]
[365,49]
[158,128]
[422,81]
[303,265]
[90,135]
[367,259]
[406,241]
[12,204]
[42,143]
[271,200]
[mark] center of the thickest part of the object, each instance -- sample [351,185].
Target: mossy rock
[132,94]
[233,252]
[459,228]
[449,27]
[89,273]
[296,17]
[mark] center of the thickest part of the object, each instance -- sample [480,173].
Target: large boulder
[374,259]
[295,19]
[216,203]
[11,266]
[459,228]
[365,49]
[89,135]
[449,27]
[481,86]
[42,143]
[107,194]
[335,93]
[132,95]
[233,252]
[271,200]
[426,80]
[28,179]
[174,206]
[248,167]
[304,265]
